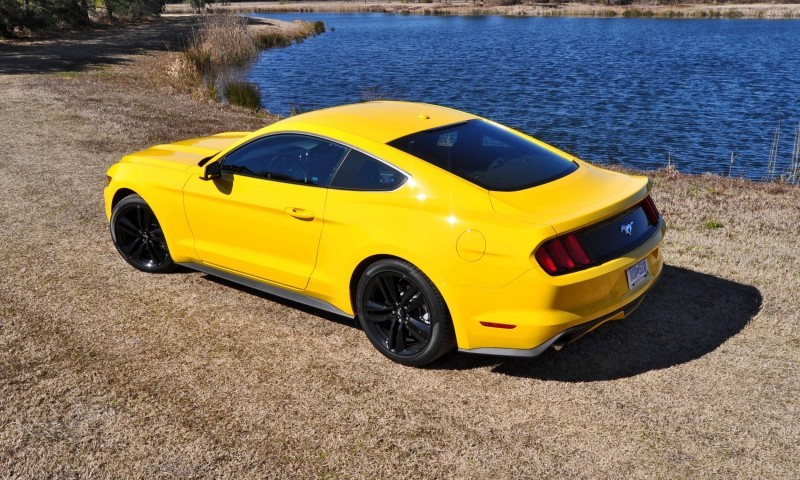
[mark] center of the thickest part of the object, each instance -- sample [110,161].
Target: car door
[263,216]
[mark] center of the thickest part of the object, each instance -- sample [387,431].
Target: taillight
[562,255]
[575,250]
[545,260]
[566,254]
[650,210]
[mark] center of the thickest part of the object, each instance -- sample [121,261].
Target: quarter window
[362,172]
[287,158]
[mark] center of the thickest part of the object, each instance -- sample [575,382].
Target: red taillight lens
[650,210]
[576,250]
[562,255]
[545,260]
[556,250]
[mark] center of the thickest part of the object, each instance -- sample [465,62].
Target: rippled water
[622,90]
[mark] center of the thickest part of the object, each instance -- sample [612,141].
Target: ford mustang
[435,228]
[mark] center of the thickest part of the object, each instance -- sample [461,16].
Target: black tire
[138,236]
[403,314]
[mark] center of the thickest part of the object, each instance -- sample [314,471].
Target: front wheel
[403,314]
[138,236]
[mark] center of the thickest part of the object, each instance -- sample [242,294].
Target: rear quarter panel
[421,222]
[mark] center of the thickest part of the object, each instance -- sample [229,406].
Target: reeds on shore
[223,39]
[502,7]
[243,94]
[794,166]
[772,162]
[231,40]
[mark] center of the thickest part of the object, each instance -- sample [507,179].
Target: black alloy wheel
[138,236]
[403,314]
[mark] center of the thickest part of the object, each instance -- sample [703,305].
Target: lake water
[633,91]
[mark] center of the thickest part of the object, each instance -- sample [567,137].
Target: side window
[287,158]
[362,172]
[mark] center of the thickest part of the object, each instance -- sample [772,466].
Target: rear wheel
[403,314]
[138,236]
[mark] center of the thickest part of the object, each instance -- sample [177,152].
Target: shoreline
[463,8]
[184,75]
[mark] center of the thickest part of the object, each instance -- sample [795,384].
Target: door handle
[300,213]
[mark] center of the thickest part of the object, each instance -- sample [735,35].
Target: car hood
[187,153]
[583,197]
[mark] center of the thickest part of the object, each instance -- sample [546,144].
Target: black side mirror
[211,171]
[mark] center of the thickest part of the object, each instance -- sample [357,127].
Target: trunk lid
[582,198]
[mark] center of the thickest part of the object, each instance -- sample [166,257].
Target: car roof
[381,121]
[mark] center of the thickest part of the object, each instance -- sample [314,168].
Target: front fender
[162,189]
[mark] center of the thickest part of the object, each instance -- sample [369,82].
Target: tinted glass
[287,158]
[486,155]
[362,172]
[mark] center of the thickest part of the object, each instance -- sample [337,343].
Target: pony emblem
[626,228]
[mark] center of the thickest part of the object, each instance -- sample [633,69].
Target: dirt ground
[109,372]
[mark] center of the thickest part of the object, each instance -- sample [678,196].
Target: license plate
[637,273]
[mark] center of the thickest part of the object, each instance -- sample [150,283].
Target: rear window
[486,155]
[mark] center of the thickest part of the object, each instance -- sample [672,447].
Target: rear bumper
[558,341]
[545,311]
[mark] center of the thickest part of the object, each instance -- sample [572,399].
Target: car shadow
[100,46]
[687,315]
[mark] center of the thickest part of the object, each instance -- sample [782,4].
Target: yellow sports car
[434,227]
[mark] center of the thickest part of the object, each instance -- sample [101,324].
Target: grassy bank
[109,372]
[534,9]
[224,41]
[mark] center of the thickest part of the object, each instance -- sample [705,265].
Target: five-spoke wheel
[138,236]
[403,314]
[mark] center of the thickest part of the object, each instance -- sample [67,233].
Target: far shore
[531,9]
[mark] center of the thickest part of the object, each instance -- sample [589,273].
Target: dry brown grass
[232,40]
[224,39]
[108,372]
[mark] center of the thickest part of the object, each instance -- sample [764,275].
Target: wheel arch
[359,271]
[119,195]
[365,263]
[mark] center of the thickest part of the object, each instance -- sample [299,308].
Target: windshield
[486,155]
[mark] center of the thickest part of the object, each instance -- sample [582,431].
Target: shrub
[319,27]
[271,40]
[224,39]
[499,3]
[636,12]
[243,94]
[200,60]
[133,8]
